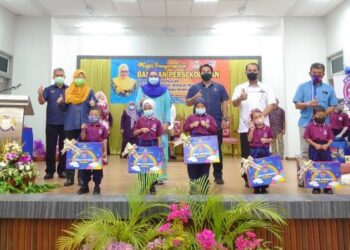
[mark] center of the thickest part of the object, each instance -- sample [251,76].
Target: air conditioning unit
[5,65]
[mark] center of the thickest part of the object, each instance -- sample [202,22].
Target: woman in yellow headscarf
[123,83]
[76,104]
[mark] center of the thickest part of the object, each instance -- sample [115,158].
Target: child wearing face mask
[259,137]
[148,130]
[319,136]
[199,124]
[94,131]
[127,123]
[339,121]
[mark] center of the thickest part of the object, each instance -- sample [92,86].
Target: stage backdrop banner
[128,75]
[179,74]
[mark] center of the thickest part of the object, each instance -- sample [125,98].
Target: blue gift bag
[338,150]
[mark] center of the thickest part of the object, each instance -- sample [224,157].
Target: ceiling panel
[65,7]
[153,7]
[198,23]
[102,7]
[178,8]
[156,23]
[312,7]
[228,8]
[268,7]
[22,7]
[126,8]
[204,8]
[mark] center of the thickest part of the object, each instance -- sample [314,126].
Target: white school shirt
[258,98]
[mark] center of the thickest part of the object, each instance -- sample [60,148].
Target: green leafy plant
[200,221]
[100,227]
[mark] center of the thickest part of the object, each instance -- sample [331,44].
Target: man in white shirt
[248,96]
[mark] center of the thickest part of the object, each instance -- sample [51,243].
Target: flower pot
[26,180]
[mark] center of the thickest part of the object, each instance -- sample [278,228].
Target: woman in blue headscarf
[160,94]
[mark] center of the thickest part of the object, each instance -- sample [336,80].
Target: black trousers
[96,176]
[244,150]
[54,133]
[72,134]
[218,166]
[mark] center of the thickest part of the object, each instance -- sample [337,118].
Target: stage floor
[117,179]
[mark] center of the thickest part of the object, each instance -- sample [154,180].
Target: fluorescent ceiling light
[206,1]
[247,28]
[101,28]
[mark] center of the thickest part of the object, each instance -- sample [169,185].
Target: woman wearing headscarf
[102,104]
[160,94]
[76,102]
[127,123]
[123,84]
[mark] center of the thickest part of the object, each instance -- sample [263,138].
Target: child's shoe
[316,190]
[83,190]
[97,190]
[327,191]
[257,190]
[263,190]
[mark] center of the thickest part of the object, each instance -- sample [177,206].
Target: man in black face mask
[217,106]
[248,96]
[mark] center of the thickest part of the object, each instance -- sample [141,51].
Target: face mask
[153,80]
[59,80]
[252,76]
[148,112]
[93,119]
[206,76]
[320,120]
[131,107]
[259,121]
[79,81]
[316,79]
[200,111]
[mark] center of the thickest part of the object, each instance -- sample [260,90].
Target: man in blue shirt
[310,94]
[54,123]
[217,106]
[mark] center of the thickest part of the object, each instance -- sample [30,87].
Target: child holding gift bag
[319,136]
[199,124]
[94,131]
[259,137]
[148,130]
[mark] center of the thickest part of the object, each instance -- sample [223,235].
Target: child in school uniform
[319,136]
[148,130]
[339,121]
[199,124]
[259,137]
[94,131]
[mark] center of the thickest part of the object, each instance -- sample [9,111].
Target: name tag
[340,118]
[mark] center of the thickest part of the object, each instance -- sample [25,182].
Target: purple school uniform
[258,134]
[154,126]
[318,132]
[339,120]
[95,133]
[200,130]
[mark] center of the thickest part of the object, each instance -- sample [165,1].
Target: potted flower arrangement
[18,171]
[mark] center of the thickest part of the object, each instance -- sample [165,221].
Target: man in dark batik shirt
[278,126]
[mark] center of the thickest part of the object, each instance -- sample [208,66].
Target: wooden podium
[13,108]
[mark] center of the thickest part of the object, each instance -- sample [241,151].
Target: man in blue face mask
[216,97]
[54,123]
[309,95]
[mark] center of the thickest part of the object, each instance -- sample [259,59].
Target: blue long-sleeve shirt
[77,114]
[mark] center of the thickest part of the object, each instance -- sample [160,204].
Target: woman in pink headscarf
[102,104]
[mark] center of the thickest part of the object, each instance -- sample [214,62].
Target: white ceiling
[168,17]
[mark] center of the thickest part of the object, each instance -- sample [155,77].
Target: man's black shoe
[48,176]
[83,190]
